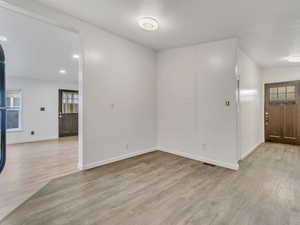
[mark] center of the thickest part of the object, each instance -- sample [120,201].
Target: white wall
[281,74]
[117,88]
[250,105]
[193,85]
[36,94]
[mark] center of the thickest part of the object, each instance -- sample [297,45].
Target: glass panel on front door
[273,94]
[69,102]
[291,93]
[285,94]
[281,94]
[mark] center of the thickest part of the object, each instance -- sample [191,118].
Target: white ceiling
[37,50]
[268,29]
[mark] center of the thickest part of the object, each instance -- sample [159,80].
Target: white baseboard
[114,159]
[179,153]
[244,155]
[200,158]
[31,140]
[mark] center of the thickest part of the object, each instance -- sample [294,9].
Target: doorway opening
[41,60]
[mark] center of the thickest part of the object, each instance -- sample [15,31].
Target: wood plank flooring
[32,165]
[164,189]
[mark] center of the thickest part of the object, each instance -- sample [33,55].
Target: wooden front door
[68,113]
[281,119]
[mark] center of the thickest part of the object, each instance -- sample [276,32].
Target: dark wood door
[68,113]
[281,119]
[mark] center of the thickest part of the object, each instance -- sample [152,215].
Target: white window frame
[20,111]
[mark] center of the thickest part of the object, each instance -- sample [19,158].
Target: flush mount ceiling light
[76,56]
[3,38]
[148,23]
[294,59]
[62,71]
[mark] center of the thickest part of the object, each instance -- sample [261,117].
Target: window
[283,94]
[70,102]
[14,108]
[273,94]
[290,93]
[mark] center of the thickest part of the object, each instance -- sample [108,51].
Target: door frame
[280,83]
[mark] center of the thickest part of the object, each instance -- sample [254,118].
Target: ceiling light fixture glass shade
[76,56]
[62,71]
[294,59]
[148,23]
[3,38]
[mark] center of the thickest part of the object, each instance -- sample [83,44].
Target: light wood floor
[32,165]
[163,189]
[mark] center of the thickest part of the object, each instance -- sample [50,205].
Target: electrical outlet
[204,147]
[127,146]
